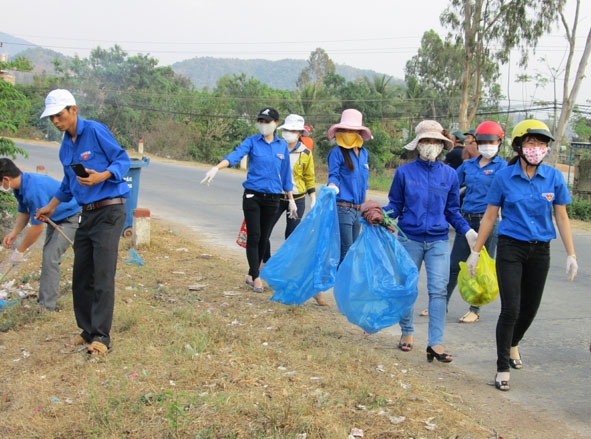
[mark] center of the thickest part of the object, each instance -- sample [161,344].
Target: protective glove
[210,174]
[334,187]
[472,263]
[571,267]
[293,210]
[471,237]
[312,200]
[17,257]
[372,212]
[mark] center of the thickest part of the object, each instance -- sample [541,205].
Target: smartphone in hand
[79,169]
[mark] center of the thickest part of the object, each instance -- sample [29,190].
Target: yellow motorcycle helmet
[530,127]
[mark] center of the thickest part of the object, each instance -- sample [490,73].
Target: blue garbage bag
[133,257]
[306,263]
[376,284]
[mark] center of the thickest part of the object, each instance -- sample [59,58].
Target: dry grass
[196,354]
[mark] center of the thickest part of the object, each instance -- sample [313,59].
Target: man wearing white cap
[94,166]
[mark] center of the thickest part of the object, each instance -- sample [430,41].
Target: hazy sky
[372,34]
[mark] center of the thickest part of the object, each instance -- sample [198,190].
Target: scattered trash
[356,432]
[397,419]
[55,399]
[231,293]
[134,258]
[182,249]
[197,287]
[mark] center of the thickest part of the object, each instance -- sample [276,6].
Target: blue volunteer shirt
[97,149]
[36,191]
[477,181]
[269,170]
[353,185]
[526,205]
[425,197]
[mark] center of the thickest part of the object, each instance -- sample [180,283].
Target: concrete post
[141,228]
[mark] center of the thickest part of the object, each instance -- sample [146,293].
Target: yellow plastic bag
[482,288]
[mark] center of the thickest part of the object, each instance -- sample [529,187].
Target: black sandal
[443,357]
[515,364]
[404,347]
[503,386]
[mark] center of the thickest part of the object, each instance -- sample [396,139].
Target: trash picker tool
[60,231]
[8,270]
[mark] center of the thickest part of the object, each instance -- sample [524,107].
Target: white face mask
[488,151]
[290,137]
[5,190]
[266,128]
[430,151]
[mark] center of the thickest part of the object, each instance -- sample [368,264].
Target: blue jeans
[461,251]
[436,258]
[349,228]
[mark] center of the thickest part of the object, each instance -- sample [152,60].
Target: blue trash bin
[133,181]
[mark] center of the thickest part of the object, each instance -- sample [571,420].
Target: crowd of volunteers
[459,180]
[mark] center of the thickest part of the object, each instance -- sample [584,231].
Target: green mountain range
[203,72]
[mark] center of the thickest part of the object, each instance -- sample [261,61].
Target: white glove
[473,262]
[16,257]
[312,200]
[293,210]
[210,174]
[334,188]
[471,237]
[571,267]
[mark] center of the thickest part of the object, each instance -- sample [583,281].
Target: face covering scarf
[430,151]
[349,140]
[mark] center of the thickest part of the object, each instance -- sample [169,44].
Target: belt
[102,203]
[295,197]
[473,215]
[345,204]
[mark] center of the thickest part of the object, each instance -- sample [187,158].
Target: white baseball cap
[56,101]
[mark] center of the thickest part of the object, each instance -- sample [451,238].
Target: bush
[579,209]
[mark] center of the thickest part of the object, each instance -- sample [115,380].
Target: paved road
[557,373]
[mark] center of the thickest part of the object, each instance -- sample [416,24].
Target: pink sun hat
[351,119]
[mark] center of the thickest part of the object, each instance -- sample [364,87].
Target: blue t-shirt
[97,149]
[477,181]
[526,205]
[353,185]
[425,197]
[269,170]
[36,191]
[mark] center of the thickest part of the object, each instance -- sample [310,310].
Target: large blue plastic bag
[376,284]
[306,263]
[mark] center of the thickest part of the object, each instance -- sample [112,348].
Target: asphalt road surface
[556,378]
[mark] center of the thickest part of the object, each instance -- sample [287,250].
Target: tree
[13,114]
[489,30]
[319,65]
[569,96]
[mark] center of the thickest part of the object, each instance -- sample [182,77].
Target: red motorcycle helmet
[488,131]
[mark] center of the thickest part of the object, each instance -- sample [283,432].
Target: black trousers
[259,213]
[522,268]
[96,248]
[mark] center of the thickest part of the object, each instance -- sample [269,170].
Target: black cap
[268,114]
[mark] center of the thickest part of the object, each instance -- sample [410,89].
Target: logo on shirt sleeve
[280,156]
[85,155]
[548,196]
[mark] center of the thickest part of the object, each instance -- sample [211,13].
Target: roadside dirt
[510,420]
